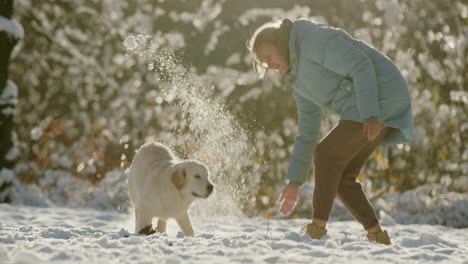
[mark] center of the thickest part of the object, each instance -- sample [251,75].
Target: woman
[328,69]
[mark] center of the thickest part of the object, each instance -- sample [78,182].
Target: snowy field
[62,235]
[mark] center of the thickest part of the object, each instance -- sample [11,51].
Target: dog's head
[192,177]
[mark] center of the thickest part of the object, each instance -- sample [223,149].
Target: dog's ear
[179,178]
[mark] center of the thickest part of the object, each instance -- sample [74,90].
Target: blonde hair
[275,33]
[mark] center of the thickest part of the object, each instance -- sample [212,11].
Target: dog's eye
[197,177]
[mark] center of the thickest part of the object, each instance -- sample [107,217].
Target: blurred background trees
[85,104]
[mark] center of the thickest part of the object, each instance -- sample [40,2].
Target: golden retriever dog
[160,185]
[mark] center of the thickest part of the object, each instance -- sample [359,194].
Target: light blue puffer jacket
[331,70]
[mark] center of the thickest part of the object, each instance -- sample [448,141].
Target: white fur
[155,193]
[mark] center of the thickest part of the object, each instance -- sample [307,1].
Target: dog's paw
[147,230]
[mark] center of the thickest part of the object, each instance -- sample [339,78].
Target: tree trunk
[9,36]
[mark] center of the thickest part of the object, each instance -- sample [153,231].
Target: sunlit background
[98,78]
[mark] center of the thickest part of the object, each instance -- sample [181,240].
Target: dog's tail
[156,152]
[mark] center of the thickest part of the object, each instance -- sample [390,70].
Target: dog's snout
[210,188]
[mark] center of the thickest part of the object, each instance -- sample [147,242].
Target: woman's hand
[288,199]
[372,127]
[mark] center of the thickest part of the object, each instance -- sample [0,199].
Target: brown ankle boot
[314,231]
[379,237]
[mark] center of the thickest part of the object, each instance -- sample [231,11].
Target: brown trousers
[339,158]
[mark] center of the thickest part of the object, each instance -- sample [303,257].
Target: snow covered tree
[10,33]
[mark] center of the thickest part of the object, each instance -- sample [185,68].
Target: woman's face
[271,58]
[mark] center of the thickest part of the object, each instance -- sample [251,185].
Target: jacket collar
[293,56]
[293,49]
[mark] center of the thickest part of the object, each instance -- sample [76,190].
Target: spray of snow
[217,139]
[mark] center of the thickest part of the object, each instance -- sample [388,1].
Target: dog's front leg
[161,225]
[143,222]
[185,225]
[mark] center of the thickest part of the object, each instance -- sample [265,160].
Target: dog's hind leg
[161,225]
[185,225]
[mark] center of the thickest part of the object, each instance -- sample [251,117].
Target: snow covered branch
[11,27]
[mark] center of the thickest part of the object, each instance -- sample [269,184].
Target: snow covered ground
[64,235]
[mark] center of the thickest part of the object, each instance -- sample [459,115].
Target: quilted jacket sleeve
[337,51]
[309,122]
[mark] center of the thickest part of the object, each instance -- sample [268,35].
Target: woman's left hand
[372,127]
[288,199]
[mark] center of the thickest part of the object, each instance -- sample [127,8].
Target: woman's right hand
[288,199]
